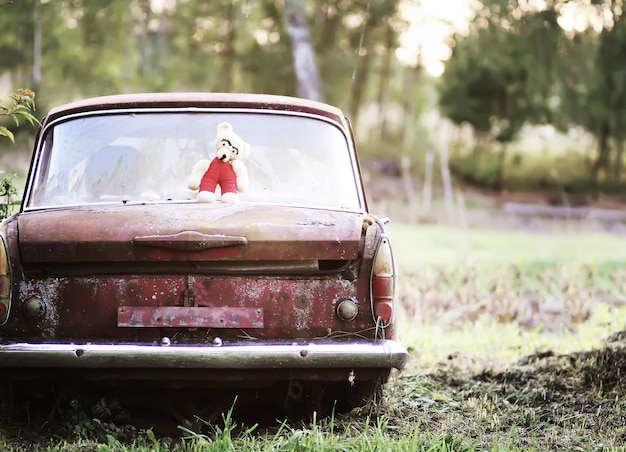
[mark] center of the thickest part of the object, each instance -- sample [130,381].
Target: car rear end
[114,277]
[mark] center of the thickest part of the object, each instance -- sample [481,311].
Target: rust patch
[189,317]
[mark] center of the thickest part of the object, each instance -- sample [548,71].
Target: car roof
[198,100]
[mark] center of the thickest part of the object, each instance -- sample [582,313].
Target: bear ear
[224,127]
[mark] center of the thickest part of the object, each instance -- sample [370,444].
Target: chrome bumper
[314,355]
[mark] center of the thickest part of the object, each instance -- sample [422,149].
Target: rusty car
[114,277]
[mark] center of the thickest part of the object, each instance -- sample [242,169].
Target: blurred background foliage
[553,69]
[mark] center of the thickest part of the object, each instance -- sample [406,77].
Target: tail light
[5,284]
[383,283]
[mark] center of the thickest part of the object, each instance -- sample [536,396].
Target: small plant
[23,107]
[104,421]
[7,194]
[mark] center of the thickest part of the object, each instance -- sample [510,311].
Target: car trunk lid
[210,233]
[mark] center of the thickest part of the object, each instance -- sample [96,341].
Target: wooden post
[462,210]
[427,193]
[447,185]
[409,188]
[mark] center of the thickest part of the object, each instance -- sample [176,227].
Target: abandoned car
[133,264]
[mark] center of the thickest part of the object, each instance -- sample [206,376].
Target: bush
[23,108]
[567,173]
[7,194]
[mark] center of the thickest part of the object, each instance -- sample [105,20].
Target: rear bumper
[382,354]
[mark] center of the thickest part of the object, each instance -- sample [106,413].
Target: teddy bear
[226,169]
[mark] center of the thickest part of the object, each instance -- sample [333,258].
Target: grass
[488,343]
[508,338]
[496,295]
[428,246]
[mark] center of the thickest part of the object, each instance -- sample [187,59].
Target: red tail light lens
[383,283]
[5,284]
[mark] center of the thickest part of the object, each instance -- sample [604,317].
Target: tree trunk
[499,182]
[160,53]
[359,74]
[143,41]
[37,47]
[617,165]
[427,192]
[411,78]
[384,83]
[303,55]
[229,51]
[358,89]
[603,152]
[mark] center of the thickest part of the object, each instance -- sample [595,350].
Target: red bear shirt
[221,173]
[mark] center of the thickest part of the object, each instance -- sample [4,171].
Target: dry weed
[552,298]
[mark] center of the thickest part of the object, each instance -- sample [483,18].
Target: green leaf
[29,117]
[7,133]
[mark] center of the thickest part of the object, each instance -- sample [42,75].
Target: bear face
[228,145]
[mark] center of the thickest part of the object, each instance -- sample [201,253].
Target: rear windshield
[148,157]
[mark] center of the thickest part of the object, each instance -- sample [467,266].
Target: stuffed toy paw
[226,169]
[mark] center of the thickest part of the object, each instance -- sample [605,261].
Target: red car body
[114,276]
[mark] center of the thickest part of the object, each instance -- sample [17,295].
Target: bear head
[228,145]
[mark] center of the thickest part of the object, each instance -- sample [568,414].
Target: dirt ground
[542,402]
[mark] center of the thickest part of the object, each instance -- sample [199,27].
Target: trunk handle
[189,241]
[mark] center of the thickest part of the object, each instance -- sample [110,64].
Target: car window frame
[40,155]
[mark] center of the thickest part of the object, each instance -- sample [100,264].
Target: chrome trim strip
[361,354]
